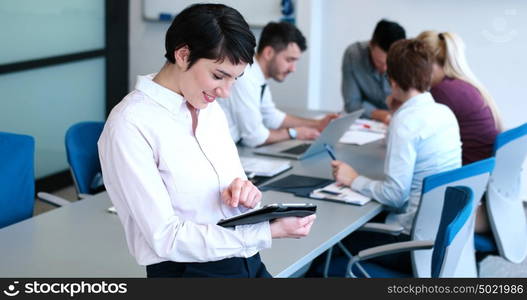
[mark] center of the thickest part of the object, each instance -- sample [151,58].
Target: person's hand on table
[306,133]
[381,115]
[322,123]
[343,173]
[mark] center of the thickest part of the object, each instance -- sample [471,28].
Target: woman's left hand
[241,192]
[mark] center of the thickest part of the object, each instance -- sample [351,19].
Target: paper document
[369,126]
[364,131]
[263,167]
[339,193]
[358,137]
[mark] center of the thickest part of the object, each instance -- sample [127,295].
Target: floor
[67,193]
[495,266]
[491,266]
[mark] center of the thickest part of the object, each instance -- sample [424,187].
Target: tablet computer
[270,212]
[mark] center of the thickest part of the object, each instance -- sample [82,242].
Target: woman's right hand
[292,227]
[343,173]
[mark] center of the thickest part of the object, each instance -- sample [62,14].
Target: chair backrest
[454,231]
[83,156]
[17,178]
[504,206]
[427,219]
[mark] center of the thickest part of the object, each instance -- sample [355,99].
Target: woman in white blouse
[423,140]
[170,166]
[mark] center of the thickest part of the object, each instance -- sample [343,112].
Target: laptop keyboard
[297,150]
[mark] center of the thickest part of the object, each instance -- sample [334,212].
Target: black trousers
[236,267]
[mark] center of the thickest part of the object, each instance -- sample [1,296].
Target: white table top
[84,240]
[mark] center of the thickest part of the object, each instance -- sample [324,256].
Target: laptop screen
[297,150]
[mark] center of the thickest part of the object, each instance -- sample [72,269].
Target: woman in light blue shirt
[423,140]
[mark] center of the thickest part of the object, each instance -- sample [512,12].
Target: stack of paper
[364,131]
[339,193]
[369,126]
[356,137]
[263,167]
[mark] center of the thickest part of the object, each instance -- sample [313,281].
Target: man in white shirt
[253,118]
[423,140]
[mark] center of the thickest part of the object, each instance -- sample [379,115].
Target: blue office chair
[504,206]
[453,231]
[475,176]
[83,156]
[426,224]
[17,178]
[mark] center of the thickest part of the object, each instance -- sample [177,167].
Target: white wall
[147,50]
[302,89]
[147,43]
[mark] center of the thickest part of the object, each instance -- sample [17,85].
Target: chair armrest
[394,248]
[385,250]
[382,228]
[52,199]
[390,229]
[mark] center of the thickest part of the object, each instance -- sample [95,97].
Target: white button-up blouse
[166,183]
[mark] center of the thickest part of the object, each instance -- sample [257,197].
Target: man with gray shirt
[364,80]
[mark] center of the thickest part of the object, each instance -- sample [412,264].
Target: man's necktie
[262,92]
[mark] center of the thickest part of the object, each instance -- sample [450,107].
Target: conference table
[83,239]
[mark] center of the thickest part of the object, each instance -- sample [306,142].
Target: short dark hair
[280,35]
[211,31]
[410,64]
[386,33]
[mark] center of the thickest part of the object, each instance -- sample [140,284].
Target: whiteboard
[257,13]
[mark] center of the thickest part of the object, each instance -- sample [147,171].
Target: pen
[329,192]
[330,151]
[368,128]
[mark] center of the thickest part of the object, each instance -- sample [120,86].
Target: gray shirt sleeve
[349,87]
[368,109]
[353,98]
[362,85]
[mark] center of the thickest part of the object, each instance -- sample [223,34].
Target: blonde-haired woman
[454,85]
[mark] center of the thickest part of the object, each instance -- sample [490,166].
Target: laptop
[296,149]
